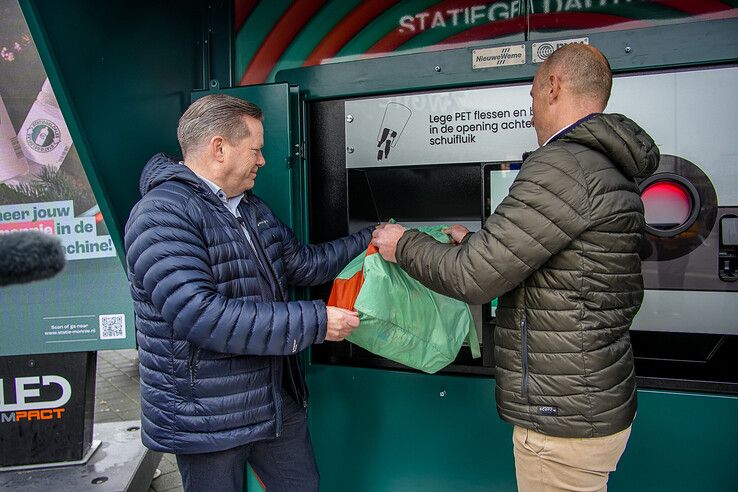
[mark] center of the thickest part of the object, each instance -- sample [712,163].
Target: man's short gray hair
[584,69]
[215,114]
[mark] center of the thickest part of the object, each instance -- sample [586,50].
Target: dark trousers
[284,464]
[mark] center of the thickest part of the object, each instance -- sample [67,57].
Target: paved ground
[117,398]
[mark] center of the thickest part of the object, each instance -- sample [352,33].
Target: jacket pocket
[524,351]
[192,367]
[524,344]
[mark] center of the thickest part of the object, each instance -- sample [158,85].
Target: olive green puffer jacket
[562,252]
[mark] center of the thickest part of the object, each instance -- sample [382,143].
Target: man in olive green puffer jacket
[561,252]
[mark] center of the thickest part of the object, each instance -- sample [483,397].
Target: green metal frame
[693,44]
[84,148]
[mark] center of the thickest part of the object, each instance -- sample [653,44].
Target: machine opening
[671,204]
[667,205]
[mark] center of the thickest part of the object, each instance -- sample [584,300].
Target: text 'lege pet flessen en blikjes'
[463,127]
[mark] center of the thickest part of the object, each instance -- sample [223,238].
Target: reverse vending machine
[436,135]
[446,150]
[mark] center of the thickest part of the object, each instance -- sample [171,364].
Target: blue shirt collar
[230,203]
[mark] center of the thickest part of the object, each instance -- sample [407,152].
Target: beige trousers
[552,464]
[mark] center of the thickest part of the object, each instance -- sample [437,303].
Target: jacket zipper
[255,243]
[191,364]
[524,345]
[524,334]
[278,402]
[303,386]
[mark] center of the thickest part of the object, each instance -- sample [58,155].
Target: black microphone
[26,256]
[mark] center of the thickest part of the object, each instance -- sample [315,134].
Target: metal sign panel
[689,114]
[541,51]
[443,127]
[498,57]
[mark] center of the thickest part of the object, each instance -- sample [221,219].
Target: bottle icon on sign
[12,161]
[395,118]
[44,136]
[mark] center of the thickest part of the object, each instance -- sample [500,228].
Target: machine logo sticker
[395,119]
[541,51]
[43,135]
[498,57]
[544,50]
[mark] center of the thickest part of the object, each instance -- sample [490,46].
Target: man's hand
[341,322]
[457,233]
[385,239]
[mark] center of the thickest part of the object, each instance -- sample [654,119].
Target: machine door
[278,182]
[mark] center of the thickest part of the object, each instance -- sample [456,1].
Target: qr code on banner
[112,326]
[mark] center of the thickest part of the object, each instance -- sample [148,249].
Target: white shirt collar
[556,134]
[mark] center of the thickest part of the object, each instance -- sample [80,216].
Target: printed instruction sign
[481,125]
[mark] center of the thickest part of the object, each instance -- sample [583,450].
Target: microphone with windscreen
[27,256]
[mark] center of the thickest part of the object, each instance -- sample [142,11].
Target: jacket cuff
[322,321]
[404,240]
[366,235]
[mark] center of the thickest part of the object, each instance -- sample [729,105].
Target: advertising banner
[43,187]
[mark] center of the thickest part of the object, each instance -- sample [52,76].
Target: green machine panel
[385,431]
[376,430]
[123,75]
[679,443]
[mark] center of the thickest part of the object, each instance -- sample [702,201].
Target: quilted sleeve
[316,264]
[168,264]
[547,207]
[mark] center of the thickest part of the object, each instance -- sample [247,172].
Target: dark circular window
[671,204]
[680,205]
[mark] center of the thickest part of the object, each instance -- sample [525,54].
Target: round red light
[667,204]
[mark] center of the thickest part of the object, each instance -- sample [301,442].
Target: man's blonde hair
[215,114]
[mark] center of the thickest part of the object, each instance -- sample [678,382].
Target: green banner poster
[43,187]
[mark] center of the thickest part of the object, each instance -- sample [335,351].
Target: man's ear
[215,148]
[553,88]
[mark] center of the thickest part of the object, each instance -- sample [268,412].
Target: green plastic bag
[406,322]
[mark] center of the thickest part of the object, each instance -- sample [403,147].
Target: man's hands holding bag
[386,236]
[341,322]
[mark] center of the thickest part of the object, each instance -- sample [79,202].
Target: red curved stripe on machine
[490,30]
[279,39]
[588,20]
[241,11]
[393,40]
[695,8]
[346,29]
[543,21]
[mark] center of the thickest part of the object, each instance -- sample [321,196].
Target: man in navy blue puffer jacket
[209,265]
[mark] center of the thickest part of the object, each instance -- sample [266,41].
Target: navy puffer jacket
[213,330]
